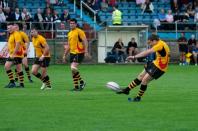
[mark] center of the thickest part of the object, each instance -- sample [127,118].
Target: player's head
[73,23]
[10,27]
[34,32]
[16,27]
[153,39]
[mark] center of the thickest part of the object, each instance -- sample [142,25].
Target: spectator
[2,16]
[17,15]
[65,16]
[48,19]
[175,5]
[132,47]
[56,17]
[195,53]
[170,20]
[2,35]
[196,17]
[3,4]
[140,2]
[190,11]
[183,48]
[162,16]
[8,14]
[104,5]
[119,51]
[112,3]
[147,7]
[28,19]
[191,43]
[116,16]
[24,13]
[38,17]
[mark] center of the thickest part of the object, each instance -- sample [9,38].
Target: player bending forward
[152,70]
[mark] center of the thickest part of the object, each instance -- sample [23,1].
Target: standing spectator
[116,16]
[78,49]
[65,16]
[183,48]
[195,53]
[147,7]
[191,43]
[119,51]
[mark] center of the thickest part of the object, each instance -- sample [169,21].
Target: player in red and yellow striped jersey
[42,59]
[152,70]
[78,48]
[15,56]
[25,43]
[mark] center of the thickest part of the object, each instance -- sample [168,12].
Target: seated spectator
[56,17]
[119,51]
[195,53]
[170,20]
[27,20]
[65,16]
[48,18]
[24,13]
[112,3]
[196,17]
[162,16]
[132,48]
[191,43]
[140,2]
[38,17]
[183,48]
[104,5]
[2,18]
[147,7]
[17,15]
[190,11]
[2,35]
[175,5]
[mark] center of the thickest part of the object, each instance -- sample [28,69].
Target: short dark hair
[74,20]
[153,37]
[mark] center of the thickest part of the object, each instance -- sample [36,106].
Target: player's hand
[130,58]
[41,58]
[64,59]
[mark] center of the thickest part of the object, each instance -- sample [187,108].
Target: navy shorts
[15,60]
[44,63]
[153,71]
[78,58]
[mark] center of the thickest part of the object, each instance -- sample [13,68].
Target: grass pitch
[169,104]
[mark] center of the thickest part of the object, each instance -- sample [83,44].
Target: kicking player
[25,43]
[152,70]
[42,59]
[78,48]
[15,56]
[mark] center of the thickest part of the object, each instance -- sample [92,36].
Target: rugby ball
[113,86]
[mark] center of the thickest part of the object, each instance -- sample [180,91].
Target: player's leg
[27,69]
[133,84]
[9,72]
[18,63]
[45,78]
[195,57]
[146,79]
[75,60]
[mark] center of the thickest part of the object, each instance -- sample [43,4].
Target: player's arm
[17,38]
[66,51]
[27,42]
[46,50]
[142,54]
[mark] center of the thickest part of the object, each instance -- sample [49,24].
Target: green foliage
[170,103]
